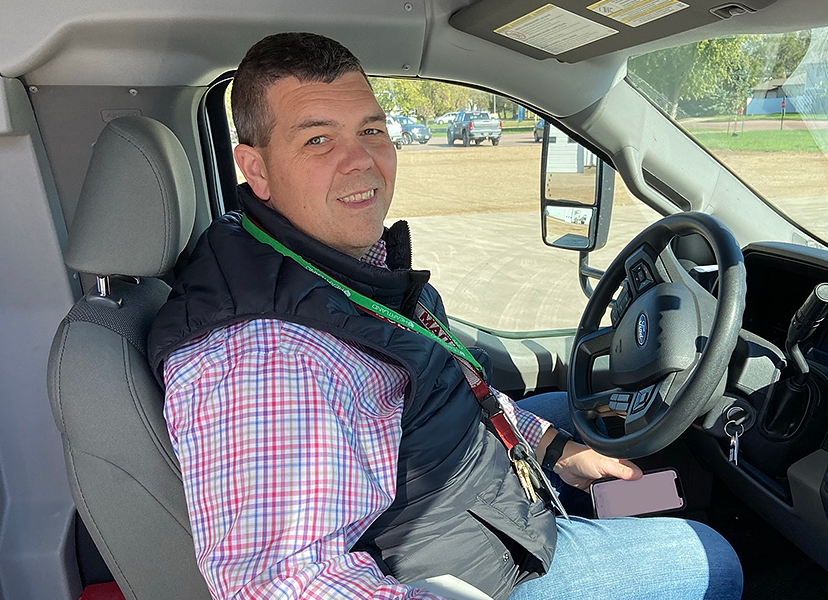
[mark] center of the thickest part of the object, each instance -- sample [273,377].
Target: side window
[474,210]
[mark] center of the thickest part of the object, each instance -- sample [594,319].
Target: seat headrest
[137,206]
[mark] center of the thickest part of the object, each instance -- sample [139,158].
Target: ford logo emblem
[641,330]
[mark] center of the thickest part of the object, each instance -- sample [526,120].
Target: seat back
[133,219]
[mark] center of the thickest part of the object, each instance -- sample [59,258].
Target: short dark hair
[306,56]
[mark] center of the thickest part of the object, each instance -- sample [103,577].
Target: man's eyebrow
[310,123]
[373,119]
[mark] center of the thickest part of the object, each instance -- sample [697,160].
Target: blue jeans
[629,558]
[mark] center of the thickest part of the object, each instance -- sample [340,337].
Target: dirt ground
[781,175]
[479,179]
[486,179]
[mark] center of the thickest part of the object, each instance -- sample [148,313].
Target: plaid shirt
[288,441]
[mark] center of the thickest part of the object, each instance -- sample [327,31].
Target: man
[331,447]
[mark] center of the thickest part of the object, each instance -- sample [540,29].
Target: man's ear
[252,165]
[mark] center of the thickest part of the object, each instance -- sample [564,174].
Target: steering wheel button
[620,402]
[624,297]
[640,402]
[641,275]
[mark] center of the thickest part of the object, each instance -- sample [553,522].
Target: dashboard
[779,279]
[783,466]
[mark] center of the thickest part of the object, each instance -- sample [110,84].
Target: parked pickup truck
[474,126]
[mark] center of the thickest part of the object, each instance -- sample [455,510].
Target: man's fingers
[625,469]
[637,472]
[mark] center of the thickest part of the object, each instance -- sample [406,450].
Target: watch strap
[555,449]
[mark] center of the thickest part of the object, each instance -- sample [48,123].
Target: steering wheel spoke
[642,271]
[642,274]
[596,343]
[589,347]
[673,271]
[594,402]
[628,403]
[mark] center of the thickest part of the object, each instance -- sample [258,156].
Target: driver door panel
[522,364]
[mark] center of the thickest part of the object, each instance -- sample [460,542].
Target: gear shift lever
[789,405]
[805,321]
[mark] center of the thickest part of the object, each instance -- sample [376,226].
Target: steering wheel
[670,340]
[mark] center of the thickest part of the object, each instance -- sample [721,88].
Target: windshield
[759,103]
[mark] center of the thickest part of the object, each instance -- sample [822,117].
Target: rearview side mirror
[577,189]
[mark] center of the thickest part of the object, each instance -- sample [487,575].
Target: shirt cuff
[530,425]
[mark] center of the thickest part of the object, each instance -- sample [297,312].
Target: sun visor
[574,30]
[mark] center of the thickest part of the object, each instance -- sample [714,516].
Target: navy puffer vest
[459,509]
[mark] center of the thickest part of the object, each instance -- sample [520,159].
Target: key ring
[736,432]
[518,452]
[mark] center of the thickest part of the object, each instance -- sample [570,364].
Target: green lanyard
[366,303]
[526,466]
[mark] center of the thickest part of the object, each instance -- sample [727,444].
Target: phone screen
[658,491]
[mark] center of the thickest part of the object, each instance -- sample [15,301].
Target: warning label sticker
[554,30]
[636,12]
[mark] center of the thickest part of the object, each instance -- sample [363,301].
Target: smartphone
[656,492]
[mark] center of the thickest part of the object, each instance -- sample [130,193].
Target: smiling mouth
[359,197]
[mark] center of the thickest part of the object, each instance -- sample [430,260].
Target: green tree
[417,96]
[449,97]
[384,92]
[693,71]
[428,99]
[779,55]
[716,76]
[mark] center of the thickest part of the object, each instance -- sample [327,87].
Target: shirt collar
[376,255]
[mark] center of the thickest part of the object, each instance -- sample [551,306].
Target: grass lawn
[797,140]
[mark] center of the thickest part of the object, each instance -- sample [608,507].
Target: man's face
[330,165]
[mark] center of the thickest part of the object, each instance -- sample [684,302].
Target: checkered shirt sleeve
[288,442]
[529,424]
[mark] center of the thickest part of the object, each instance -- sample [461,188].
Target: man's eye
[372,131]
[316,140]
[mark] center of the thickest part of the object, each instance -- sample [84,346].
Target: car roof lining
[159,43]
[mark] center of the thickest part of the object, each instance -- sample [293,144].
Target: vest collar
[398,287]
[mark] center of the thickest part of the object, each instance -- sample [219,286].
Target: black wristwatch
[555,449]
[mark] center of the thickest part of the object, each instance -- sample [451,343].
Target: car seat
[134,217]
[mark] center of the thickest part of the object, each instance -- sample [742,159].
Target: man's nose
[356,157]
